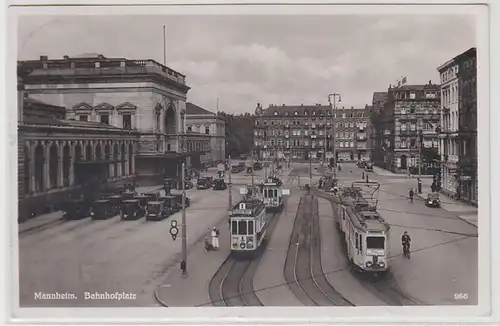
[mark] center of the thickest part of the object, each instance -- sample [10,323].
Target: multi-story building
[459,126]
[301,132]
[213,127]
[141,95]
[60,156]
[408,125]
[377,118]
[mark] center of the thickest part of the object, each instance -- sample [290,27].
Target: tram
[248,227]
[365,233]
[273,194]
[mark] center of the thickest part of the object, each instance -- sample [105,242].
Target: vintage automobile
[116,201]
[361,164]
[132,210]
[235,169]
[433,200]
[257,166]
[102,209]
[369,166]
[151,196]
[172,204]
[145,198]
[220,184]
[128,194]
[76,209]
[203,183]
[178,197]
[156,211]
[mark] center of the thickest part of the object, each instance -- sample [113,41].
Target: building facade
[459,127]
[212,127]
[309,131]
[378,116]
[407,128]
[140,95]
[60,156]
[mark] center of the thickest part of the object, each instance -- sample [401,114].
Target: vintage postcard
[292,157]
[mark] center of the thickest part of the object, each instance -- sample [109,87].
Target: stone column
[119,171]
[72,164]
[31,173]
[60,167]
[46,174]
[134,153]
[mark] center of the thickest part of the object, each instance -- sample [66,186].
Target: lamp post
[334,95]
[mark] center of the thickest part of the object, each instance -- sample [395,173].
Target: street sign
[173,223]
[173,232]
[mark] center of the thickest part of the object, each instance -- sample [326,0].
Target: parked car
[220,184]
[76,209]
[132,210]
[102,209]
[203,183]
[156,211]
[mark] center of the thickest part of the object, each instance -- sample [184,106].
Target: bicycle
[406,250]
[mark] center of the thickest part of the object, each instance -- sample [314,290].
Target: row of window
[412,110]
[402,95]
[104,118]
[408,126]
[321,113]
[449,74]
[242,228]
[207,129]
[298,123]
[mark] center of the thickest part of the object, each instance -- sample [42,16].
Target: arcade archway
[170,120]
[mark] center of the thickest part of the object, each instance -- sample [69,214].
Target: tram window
[360,243]
[234,227]
[242,227]
[265,193]
[250,227]
[275,193]
[356,236]
[375,242]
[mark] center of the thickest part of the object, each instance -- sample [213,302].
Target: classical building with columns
[141,96]
[58,157]
[207,123]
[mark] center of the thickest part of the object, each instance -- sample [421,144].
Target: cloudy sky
[278,60]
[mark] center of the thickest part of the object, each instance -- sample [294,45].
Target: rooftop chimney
[283,104]
[44,58]
[66,57]
[100,57]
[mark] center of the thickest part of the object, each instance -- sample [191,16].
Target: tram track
[232,284]
[385,286]
[303,270]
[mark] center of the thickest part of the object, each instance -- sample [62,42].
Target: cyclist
[405,241]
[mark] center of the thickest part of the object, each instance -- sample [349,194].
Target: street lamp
[334,95]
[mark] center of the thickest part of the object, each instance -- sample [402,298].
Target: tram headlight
[243,245]
[369,264]
[381,264]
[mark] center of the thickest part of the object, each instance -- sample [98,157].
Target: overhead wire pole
[334,131]
[230,185]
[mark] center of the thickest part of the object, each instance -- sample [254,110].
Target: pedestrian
[183,268]
[433,186]
[419,186]
[215,238]
[411,193]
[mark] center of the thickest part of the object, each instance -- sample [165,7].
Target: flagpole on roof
[164,46]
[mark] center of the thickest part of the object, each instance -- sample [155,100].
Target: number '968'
[461,296]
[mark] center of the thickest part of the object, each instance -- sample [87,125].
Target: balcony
[314,136]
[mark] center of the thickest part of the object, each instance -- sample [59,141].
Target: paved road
[445,249]
[109,256]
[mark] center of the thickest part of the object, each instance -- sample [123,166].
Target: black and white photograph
[250,157]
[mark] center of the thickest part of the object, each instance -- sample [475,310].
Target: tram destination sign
[241,211]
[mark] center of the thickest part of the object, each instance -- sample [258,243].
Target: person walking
[215,238]
[411,193]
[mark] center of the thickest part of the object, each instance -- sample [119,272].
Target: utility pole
[334,95]
[324,153]
[184,226]
[310,170]
[230,186]
[420,141]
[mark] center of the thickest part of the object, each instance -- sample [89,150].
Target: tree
[239,133]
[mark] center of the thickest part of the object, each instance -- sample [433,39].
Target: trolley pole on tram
[230,186]
[184,226]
